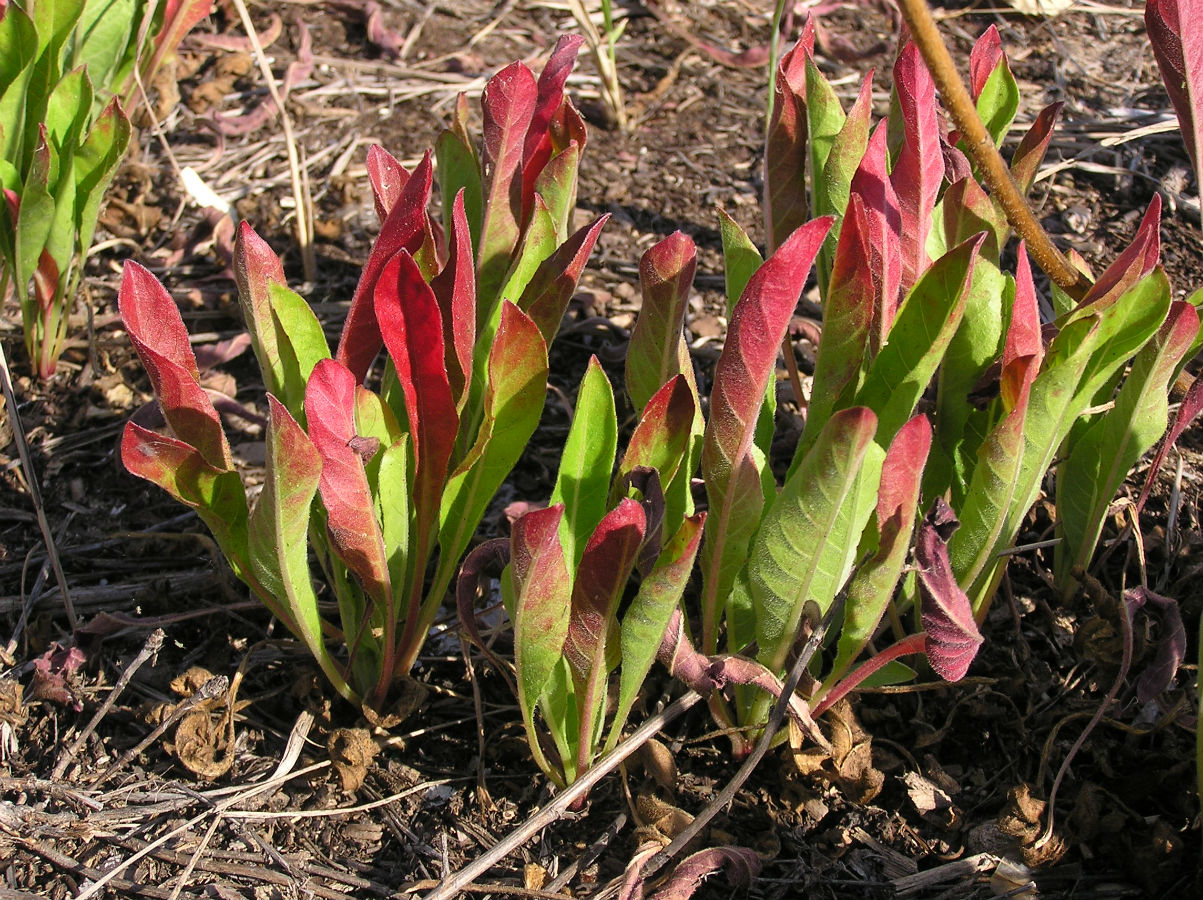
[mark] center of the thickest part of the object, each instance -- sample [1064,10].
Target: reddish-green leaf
[255,267]
[178,468]
[404,229]
[1137,260]
[786,206]
[848,315]
[542,596]
[646,619]
[513,403]
[157,332]
[351,521]
[666,273]
[455,290]
[508,104]
[953,637]
[1173,27]
[662,437]
[546,296]
[872,587]
[387,177]
[602,576]
[279,530]
[1030,152]
[919,169]
[411,324]
[884,219]
[732,473]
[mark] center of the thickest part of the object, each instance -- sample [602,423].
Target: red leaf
[388,178]
[404,229]
[919,169]
[884,219]
[546,296]
[902,471]
[1030,152]
[983,59]
[411,324]
[601,578]
[351,514]
[786,206]
[1174,32]
[1137,260]
[157,332]
[953,637]
[455,289]
[550,94]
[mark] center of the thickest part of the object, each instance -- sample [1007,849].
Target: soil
[964,769]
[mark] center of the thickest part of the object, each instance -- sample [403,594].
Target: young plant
[375,482]
[593,579]
[603,45]
[63,133]
[918,319]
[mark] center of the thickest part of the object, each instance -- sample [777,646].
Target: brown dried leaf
[659,764]
[190,681]
[410,695]
[666,820]
[534,876]
[351,752]
[204,743]
[12,706]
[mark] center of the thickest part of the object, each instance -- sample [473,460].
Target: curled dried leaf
[351,752]
[204,743]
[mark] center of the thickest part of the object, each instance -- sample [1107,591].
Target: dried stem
[981,148]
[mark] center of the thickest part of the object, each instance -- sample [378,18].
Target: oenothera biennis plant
[592,580]
[407,470]
[918,318]
[62,135]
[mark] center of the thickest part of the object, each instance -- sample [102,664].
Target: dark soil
[964,768]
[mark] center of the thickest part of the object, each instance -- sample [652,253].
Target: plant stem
[981,148]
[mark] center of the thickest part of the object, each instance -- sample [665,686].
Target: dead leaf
[190,681]
[931,801]
[12,706]
[534,876]
[664,820]
[659,764]
[351,752]
[850,762]
[410,695]
[204,742]
[54,676]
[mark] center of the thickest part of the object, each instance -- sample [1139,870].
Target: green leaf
[513,403]
[741,259]
[806,544]
[999,102]
[393,479]
[459,169]
[96,163]
[647,617]
[583,482]
[299,339]
[278,532]
[1100,460]
[103,37]
[926,323]
[825,119]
